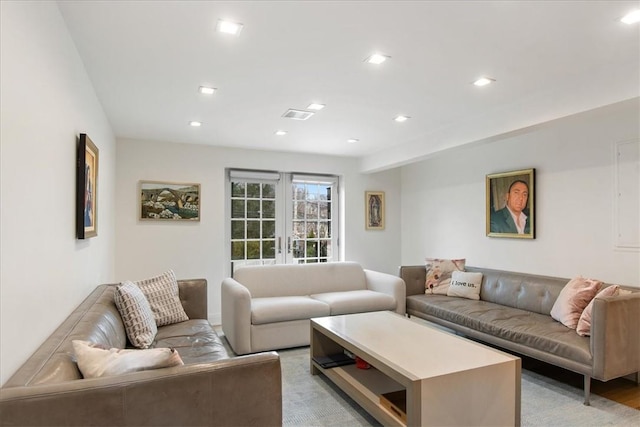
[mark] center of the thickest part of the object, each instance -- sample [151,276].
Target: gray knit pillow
[136,314]
[162,294]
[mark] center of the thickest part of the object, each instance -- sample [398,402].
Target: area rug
[310,400]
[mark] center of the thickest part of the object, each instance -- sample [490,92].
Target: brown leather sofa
[514,313]
[211,389]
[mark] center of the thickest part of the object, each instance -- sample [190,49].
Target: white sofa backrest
[301,279]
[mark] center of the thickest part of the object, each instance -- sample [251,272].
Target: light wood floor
[621,390]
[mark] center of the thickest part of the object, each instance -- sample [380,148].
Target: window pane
[298,210]
[253,191]
[323,230]
[237,189]
[299,192]
[268,229]
[237,209]
[253,208]
[299,229]
[312,230]
[312,249]
[268,249]
[298,249]
[268,191]
[253,229]
[268,209]
[312,192]
[253,250]
[237,229]
[237,250]
[323,210]
[324,244]
[312,210]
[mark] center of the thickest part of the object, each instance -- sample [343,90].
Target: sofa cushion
[136,313]
[573,299]
[283,309]
[194,339]
[465,284]
[530,329]
[163,295]
[584,323]
[439,274]
[356,301]
[94,361]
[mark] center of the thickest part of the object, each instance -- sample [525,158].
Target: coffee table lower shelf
[365,386]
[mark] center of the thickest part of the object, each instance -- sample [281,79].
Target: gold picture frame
[510,204]
[374,210]
[169,201]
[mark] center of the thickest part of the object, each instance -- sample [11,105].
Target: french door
[277,218]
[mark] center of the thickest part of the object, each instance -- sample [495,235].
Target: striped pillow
[162,294]
[136,314]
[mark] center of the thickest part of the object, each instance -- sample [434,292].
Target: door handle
[279,244]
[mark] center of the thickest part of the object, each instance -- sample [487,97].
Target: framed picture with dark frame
[374,210]
[510,204]
[87,188]
[169,201]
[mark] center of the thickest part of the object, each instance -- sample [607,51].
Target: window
[277,218]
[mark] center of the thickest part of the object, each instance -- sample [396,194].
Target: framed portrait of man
[510,204]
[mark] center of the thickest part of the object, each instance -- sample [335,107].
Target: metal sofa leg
[587,390]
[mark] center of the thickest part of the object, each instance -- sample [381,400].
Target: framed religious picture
[169,201]
[510,204]
[87,188]
[374,210]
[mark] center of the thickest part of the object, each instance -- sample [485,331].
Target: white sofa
[269,307]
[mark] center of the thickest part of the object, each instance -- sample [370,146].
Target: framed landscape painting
[169,201]
[87,188]
[510,204]
[374,210]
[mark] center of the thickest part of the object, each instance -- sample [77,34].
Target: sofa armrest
[615,336]
[241,391]
[390,285]
[236,315]
[193,296]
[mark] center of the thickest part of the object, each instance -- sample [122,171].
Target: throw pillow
[465,284]
[573,299]
[584,323]
[439,274]
[136,314]
[163,295]
[95,361]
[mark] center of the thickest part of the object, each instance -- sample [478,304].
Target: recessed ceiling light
[195,124]
[297,114]
[401,119]
[228,27]
[632,17]
[352,140]
[376,58]
[206,90]
[281,132]
[316,107]
[483,81]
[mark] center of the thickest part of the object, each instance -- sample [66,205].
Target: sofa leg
[587,390]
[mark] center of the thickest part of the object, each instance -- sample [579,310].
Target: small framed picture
[374,210]
[169,201]
[510,204]
[87,188]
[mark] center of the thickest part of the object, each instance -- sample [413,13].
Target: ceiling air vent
[297,114]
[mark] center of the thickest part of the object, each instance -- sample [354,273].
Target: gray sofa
[210,389]
[269,307]
[514,313]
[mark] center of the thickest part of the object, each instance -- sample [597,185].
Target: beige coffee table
[448,380]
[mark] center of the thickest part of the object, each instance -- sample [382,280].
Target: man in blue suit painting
[512,218]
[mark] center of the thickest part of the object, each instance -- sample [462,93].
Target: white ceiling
[146,60]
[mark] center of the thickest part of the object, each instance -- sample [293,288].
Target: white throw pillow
[95,362]
[163,296]
[136,314]
[465,284]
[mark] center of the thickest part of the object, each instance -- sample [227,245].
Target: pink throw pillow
[584,324]
[573,299]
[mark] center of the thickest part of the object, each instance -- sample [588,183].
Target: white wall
[47,101]
[443,199]
[197,249]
